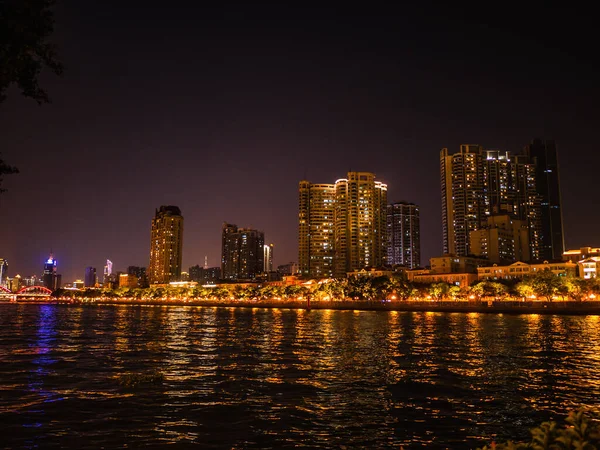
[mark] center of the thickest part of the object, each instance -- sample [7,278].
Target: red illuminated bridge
[33,292]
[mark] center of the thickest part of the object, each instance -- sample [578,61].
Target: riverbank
[494,307]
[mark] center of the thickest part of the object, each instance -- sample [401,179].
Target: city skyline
[347,189]
[226,135]
[468,149]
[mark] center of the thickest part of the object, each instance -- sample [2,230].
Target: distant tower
[90,277]
[50,277]
[242,255]
[3,271]
[268,258]
[206,262]
[107,271]
[166,245]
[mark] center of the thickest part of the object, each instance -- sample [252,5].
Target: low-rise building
[290,268]
[456,264]
[589,267]
[581,254]
[370,272]
[458,279]
[520,270]
[457,270]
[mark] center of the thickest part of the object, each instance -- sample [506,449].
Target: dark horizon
[222,111]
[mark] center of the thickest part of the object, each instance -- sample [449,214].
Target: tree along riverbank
[492,306]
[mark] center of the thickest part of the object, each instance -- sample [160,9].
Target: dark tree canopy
[25,26]
[5,169]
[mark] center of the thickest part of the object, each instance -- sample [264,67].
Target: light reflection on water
[276,378]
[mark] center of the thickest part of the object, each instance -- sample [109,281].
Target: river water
[276,378]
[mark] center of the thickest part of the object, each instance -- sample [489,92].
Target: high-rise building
[51,278]
[528,202]
[90,278]
[166,245]
[229,251]
[543,154]
[403,235]
[342,226]
[478,184]
[107,271]
[268,258]
[316,229]
[463,202]
[360,223]
[3,271]
[242,253]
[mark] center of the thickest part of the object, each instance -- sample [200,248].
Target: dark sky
[222,110]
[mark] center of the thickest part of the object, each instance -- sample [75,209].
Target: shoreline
[491,307]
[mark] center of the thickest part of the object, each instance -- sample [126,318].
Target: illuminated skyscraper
[268,258]
[342,226]
[107,271]
[463,202]
[166,245]
[50,277]
[360,223]
[3,271]
[403,234]
[316,229]
[242,253]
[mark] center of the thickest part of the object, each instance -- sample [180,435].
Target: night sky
[222,111]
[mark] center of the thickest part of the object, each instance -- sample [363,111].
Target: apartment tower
[316,229]
[342,226]
[463,202]
[403,235]
[243,253]
[166,245]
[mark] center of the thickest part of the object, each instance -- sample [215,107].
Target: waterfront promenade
[491,306]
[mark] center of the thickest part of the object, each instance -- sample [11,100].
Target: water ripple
[258,378]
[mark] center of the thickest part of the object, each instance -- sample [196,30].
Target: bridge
[27,292]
